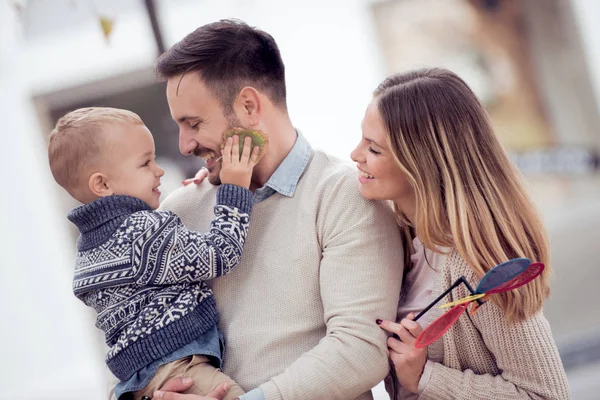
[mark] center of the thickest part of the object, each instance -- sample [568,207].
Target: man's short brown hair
[228,54]
[76,143]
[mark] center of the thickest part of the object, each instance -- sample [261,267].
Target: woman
[429,148]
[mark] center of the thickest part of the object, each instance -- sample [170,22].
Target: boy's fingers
[254,156]
[247,147]
[227,150]
[235,150]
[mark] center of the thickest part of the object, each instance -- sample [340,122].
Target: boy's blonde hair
[77,141]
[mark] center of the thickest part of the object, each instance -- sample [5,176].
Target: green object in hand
[258,139]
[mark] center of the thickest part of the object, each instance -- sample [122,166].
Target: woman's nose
[355,154]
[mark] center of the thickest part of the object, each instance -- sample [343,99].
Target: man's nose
[186,143]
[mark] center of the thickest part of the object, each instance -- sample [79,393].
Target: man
[321,263]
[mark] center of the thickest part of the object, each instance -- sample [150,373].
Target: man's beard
[216,178]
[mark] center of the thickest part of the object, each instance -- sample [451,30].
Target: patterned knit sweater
[484,357]
[143,272]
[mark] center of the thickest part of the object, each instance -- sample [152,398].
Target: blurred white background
[54,57]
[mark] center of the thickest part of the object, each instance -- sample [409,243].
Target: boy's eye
[146,163]
[373,151]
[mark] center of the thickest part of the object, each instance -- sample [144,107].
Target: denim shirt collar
[285,178]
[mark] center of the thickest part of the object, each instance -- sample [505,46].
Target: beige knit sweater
[318,269]
[483,357]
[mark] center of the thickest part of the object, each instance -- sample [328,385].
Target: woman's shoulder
[452,264]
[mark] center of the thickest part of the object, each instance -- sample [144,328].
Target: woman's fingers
[413,327]
[388,326]
[398,346]
[404,334]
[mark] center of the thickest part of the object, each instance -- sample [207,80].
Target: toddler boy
[142,270]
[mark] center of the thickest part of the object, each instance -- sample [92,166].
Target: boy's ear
[249,107]
[98,184]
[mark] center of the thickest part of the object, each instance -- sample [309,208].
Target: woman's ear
[99,185]
[249,107]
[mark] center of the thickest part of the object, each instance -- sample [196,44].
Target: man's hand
[171,389]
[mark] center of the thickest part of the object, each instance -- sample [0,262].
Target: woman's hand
[409,361]
[170,391]
[200,176]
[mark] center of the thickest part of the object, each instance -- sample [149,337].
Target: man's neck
[282,137]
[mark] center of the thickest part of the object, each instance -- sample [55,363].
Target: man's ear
[249,107]
[99,185]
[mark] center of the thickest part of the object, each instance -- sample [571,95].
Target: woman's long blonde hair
[469,196]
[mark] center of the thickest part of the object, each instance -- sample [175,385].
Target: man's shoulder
[336,181]
[327,168]
[190,198]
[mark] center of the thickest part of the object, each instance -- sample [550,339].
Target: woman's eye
[373,151]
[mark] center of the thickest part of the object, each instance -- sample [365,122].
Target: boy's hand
[237,170]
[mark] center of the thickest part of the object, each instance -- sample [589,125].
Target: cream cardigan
[483,357]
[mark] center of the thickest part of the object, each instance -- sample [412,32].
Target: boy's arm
[167,253]
[360,279]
